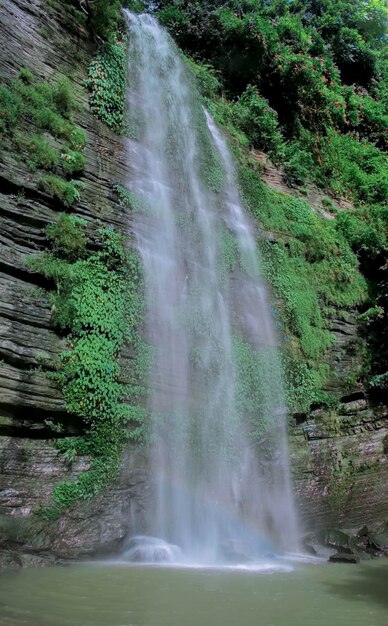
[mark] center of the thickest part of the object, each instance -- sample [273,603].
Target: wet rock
[310,549]
[9,559]
[372,542]
[91,528]
[309,544]
[340,540]
[342,557]
[15,558]
[363,532]
[326,500]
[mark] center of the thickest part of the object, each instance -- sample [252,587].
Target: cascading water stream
[219,453]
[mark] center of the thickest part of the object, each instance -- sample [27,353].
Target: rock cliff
[45,39]
[339,457]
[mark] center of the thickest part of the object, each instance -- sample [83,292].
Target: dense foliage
[96,302]
[106,83]
[320,66]
[307,83]
[101,17]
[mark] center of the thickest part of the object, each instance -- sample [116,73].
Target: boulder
[342,557]
[372,542]
[342,541]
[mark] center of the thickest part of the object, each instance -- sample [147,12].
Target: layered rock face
[339,459]
[47,41]
[340,456]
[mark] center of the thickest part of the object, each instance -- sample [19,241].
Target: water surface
[117,595]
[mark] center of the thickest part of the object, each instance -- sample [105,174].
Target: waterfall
[218,455]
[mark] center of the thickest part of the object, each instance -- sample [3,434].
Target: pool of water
[296,594]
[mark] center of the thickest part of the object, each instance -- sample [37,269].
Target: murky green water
[109,595]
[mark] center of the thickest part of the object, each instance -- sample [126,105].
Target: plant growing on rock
[68,192]
[106,83]
[97,303]
[67,237]
[49,107]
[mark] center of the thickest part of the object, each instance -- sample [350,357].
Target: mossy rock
[340,540]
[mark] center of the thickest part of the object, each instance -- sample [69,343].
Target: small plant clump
[68,192]
[67,237]
[26,76]
[128,198]
[41,154]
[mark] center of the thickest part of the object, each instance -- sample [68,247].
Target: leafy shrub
[255,117]
[26,76]
[298,165]
[104,17]
[64,97]
[106,83]
[353,166]
[206,78]
[174,18]
[365,230]
[41,154]
[366,117]
[67,192]
[67,237]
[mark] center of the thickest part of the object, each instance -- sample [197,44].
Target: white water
[219,457]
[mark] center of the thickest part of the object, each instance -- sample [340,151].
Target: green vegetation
[252,114]
[312,267]
[68,192]
[64,98]
[41,154]
[307,83]
[97,304]
[298,74]
[259,381]
[67,237]
[106,83]
[101,17]
[47,106]
[57,145]
[129,199]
